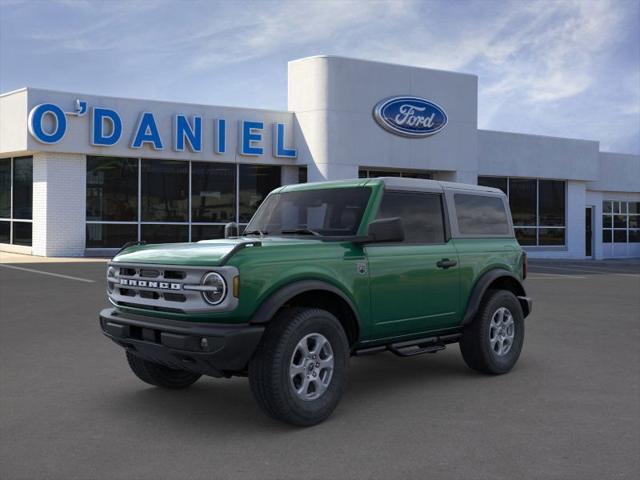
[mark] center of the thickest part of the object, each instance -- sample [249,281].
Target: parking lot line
[583,270]
[550,276]
[67,277]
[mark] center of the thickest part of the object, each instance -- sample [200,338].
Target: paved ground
[70,408]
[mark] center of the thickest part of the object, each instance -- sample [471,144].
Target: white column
[319,172]
[289,174]
[59,204]
[576,201]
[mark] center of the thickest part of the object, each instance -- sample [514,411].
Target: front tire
[492,342]
[299,372]
[159,375]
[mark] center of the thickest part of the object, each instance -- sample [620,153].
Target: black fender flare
[482,285]
[277,299]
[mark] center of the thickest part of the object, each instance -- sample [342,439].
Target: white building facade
[83,174]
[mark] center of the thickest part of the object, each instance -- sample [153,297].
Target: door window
[421,215]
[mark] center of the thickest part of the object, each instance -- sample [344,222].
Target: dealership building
[80,175]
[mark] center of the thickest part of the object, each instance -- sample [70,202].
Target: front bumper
[209,349]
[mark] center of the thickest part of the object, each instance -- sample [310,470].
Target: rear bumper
[209,349]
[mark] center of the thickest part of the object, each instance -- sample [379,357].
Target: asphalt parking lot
[71,409]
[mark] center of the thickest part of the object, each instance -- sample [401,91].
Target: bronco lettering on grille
[130,282]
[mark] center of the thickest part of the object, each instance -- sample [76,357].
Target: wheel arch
[496,279]
[312,294]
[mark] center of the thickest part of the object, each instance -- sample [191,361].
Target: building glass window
[213,192]
[165,188]
[112,189]
[538,208]
[23,187]
[22,233]
[522,200]
[206,232]
[619,236]
[5,188]
[526,236]
[551,203]
[110,235]
[159,233]
[16,200]
[302,175]
[163,201]
[620,221]
[375,173]
[551,236]
[494,182]
[256,181]
[5,231]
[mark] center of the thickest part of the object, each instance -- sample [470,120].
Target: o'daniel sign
[48,123]
[408,116]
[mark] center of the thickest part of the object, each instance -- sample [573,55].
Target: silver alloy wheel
[502,331]
[311,366]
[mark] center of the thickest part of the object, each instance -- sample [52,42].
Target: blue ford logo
[410,116]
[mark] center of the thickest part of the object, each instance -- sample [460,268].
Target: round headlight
[216,288]
[111,275]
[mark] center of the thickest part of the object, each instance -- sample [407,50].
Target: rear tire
[299,371]
[159,375]
[492,342]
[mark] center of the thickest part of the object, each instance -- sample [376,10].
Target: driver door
[410,292]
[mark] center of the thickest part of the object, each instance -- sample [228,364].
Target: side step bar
[410,348]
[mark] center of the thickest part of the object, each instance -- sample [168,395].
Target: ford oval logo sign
[410,116]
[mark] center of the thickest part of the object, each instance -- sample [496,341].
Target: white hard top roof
[434,185]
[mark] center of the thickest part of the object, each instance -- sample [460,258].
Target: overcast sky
[566,68]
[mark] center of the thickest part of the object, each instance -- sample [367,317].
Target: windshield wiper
[255,232]
[302,231]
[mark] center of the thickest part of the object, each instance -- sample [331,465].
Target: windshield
[323,212]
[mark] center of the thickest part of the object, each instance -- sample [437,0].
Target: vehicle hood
[207,252]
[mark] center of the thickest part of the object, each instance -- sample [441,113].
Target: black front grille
[174,274]
[158,287]
[174,297]
[148,273]
[149,294]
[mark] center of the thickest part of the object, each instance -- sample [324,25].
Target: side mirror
[231,229]
[385,230]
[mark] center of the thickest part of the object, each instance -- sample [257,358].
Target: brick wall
[59,204]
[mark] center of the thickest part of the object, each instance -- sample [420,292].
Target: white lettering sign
[407,116]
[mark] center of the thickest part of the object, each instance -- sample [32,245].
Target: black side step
[370,350]
[417,347]
[410,348]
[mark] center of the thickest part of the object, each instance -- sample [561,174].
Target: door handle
[446,263]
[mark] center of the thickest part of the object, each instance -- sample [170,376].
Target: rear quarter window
[481,215]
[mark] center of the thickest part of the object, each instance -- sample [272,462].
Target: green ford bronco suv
[324,271]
